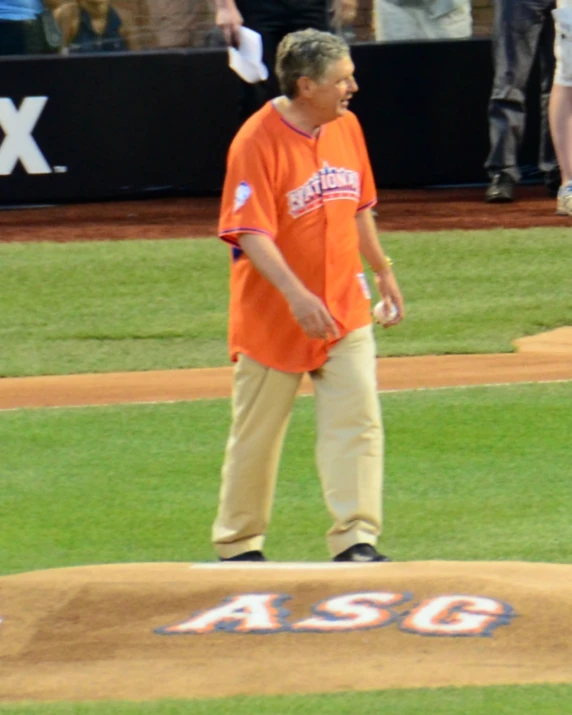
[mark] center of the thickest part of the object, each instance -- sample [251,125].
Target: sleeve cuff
[231,235]
[368,205]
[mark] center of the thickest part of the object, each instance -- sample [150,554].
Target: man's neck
[294,113]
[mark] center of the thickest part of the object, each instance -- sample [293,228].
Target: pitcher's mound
[150,631]
[551,342]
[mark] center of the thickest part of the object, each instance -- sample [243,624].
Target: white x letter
[18,125]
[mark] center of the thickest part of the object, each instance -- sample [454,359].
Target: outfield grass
[143,305]
[508,700]
[472,474]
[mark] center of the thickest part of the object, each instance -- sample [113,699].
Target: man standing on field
[296,209]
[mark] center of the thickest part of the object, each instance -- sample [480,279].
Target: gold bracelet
[388,264]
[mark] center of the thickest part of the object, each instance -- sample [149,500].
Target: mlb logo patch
[241,195]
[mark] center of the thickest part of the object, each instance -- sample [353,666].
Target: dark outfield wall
[159,123]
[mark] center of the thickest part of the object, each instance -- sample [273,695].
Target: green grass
[508,700]
[144,305]
[472,474]
[97,307]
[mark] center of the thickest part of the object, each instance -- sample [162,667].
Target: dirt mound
[151,631]
[552,342]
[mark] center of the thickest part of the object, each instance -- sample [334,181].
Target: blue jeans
[522,28]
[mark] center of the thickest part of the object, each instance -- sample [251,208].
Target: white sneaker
[564,200]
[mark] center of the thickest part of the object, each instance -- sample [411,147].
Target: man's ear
[305,86]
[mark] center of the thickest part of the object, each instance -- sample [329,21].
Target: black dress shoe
[501,189]
[361,553]
[247,556]
[552,181]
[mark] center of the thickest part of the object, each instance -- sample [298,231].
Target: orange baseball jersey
[303,193]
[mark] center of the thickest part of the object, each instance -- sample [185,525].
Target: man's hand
[372,252]
[308,310]
[345,12]
[313,316]
[228,20]
[389,291]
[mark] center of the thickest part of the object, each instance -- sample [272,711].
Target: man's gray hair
[307,53]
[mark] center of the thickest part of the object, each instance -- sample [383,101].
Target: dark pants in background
[22,37]
[522,28]
[273,19]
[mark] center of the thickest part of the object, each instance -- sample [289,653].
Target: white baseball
[384,314]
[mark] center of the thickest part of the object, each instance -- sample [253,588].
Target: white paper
[246,61]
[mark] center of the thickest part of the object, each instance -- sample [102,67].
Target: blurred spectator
[28,27]
[214,38]
[521,30]
[273,19]
[140,15]
[173,21]
[342,18]
[422,19]
[182,23]
[560,108]
[95,26]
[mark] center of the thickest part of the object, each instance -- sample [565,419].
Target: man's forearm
[269,262]
[307,308]
[369,245]
[380,263]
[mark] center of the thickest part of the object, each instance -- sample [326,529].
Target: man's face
[330,96]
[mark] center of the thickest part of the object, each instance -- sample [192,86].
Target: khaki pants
[349,449]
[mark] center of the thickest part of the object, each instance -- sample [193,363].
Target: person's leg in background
[302,14]
[349,448]
[12,38]
[262,403]
[273,19]
[392,22]
[288,16]
[269,20]
[560,108]
[446,19]
[255,96]
[22,37]
[547,161]
[453,21]
[516,30]
[36,43]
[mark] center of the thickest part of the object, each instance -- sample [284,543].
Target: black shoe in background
[552,181]
[501,189]
[247,556]
[361,553]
